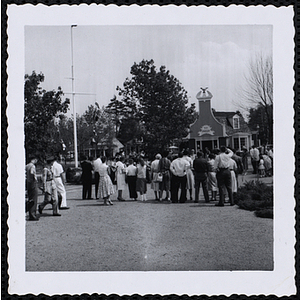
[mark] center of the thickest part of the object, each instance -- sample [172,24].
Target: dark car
[73,175]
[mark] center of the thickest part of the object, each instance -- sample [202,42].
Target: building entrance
[207,144]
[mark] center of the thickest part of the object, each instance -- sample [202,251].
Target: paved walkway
[148,236]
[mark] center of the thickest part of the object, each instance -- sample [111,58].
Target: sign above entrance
[206,129]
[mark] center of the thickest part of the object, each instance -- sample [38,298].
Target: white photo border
[280,281]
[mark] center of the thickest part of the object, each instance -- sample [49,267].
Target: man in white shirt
[97,164]
[59,179]
[178,169]
[223,174]
[254,153]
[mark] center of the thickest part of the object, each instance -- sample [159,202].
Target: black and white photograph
[151,150]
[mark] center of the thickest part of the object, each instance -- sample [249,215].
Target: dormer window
[236,122]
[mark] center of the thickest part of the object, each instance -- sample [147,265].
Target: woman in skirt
[141,183]
[106,187]
[211,177]
[233,169]
[155,183]
[189,174]
[121,175]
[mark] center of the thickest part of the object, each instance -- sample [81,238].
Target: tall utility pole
[73,100]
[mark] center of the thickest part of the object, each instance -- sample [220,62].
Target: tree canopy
[152,105]
[258,118]
[41,108]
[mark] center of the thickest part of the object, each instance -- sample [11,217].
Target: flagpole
[73,100]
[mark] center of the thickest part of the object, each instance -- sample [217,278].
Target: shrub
[256,196]
[265,213]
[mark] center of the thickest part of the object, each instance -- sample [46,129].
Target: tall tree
[41,107]
[158,103]
[257,92]
[257,122]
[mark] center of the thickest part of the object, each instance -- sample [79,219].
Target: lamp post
[73,100]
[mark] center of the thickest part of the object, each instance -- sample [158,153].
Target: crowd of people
[215,170]
[53,187]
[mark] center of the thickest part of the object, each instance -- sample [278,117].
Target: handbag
[159,177]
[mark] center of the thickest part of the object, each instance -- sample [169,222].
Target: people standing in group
[254,153]
[49,188]
[32,188]
[201,168]
[212,183]
[141,181]
[121,176]
[106,187]
[164,169]
[190,183]
[178,169]
[131,179]
[60,180]
[86,178]
[155,182]
[96,165]
[223,175]
[233,171]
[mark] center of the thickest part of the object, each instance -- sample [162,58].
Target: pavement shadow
[92,204]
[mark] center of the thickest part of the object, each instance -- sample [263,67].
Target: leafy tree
[154,104]
[94,126]
[258,120]
[41,108]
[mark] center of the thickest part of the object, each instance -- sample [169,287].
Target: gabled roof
[224,114]
[225,117]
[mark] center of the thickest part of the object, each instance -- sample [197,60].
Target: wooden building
[214,129]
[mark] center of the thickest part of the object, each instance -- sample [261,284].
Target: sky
[213,56]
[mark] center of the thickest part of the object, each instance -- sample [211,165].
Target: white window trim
[235,117]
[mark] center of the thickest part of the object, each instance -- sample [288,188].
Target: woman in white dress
[106,187]
[121,178]
[154,177]
[189,174]
[233,168]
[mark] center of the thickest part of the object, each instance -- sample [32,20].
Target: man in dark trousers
[201,167]
[178,168]
[32,188]
[223,174]
[97,165]
[86,178]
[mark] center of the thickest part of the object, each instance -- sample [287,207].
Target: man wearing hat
[50,189]
[32,188]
